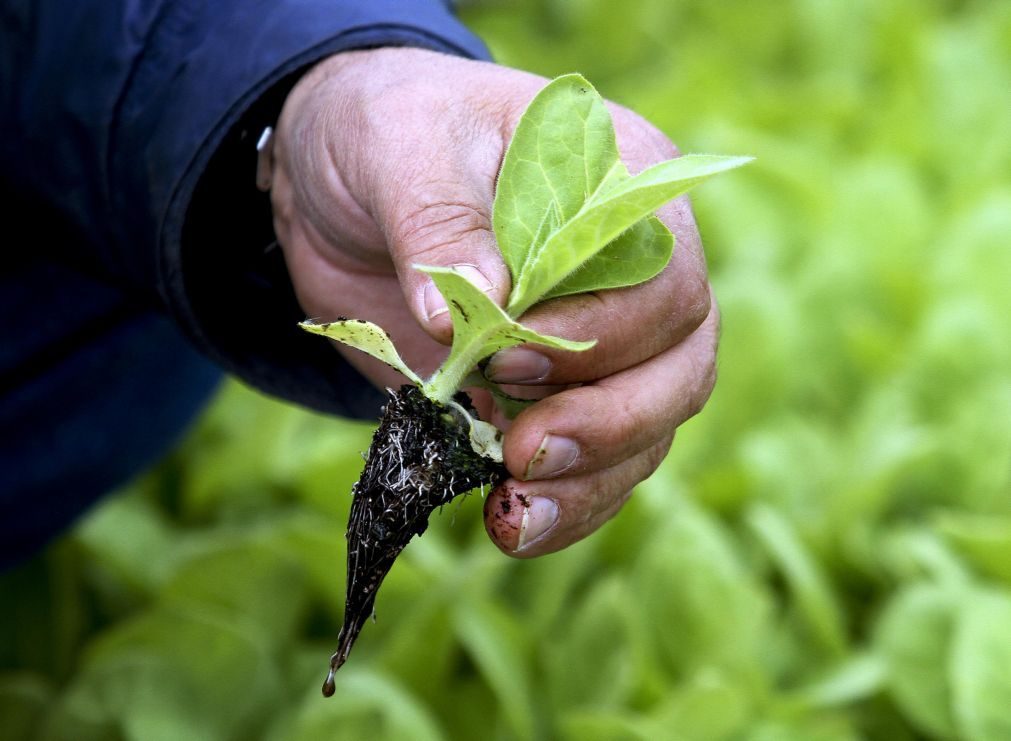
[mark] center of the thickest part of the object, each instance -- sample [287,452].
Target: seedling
[568,218]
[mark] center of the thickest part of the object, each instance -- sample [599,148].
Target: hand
[387,158]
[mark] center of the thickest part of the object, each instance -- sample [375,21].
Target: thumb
[451,231]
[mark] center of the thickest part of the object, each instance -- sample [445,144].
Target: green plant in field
[568,217]
[826,555]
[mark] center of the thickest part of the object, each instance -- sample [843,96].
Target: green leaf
[217,581]
[604,216]
[855,679]
[24,699]
[709,612]
[563,196]
[714,704]
[595,724]
[594,641]
[130,537]
[981,657]
[371,705]
[636,256]
[813,728]
[169,674]
[983,539]
[915,636]
[485,438]
[497,644]
[480,328]
[813,594]
[365,336]
[561,151]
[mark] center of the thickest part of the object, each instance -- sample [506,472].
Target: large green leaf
[497,645]
[981,667]
[712,705]
[703,607]
[170,674]
[637,255]
[563,196]
[984,540]
[595,640]
[915,637]
[480,328]
[560,152]
[810,588]
[605,215]
[854,679]
[368,705]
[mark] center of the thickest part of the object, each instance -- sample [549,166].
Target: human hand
[387,158]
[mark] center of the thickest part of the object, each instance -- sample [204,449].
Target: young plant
[568,218]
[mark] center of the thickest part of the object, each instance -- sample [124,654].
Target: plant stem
[448,378]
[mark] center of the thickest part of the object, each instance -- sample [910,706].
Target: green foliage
[824,556]
[564,262]
[568,218]
[915,638]
[563,196]
[365,336]
[480,328]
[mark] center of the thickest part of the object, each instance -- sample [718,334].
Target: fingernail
[555,455]
[517,365]
[435,304]
[537,520]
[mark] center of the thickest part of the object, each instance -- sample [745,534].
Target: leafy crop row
[826,555]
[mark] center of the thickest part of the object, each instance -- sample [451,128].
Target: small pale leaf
[485,438]
[480,328]
[365,336]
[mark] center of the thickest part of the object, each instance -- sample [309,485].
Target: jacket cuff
[194,127]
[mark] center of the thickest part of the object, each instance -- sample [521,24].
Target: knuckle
[433,225]
[706,374]
[697,302]
[627,423]
[654,456]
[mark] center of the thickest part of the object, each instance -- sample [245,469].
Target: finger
[437,211]
[598,425]
[630,325]
[446,234]
[327,288]
[532,518]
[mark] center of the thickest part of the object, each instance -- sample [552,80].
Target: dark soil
[419,460]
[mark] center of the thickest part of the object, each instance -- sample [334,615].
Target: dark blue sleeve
[136,119]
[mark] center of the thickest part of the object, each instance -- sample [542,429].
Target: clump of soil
[420,459]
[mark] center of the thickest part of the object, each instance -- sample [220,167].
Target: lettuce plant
[569,218]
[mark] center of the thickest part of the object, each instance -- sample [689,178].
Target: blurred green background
[826,553]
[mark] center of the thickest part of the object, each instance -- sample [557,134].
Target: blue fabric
[91,411]
[94,384]
[127,131]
